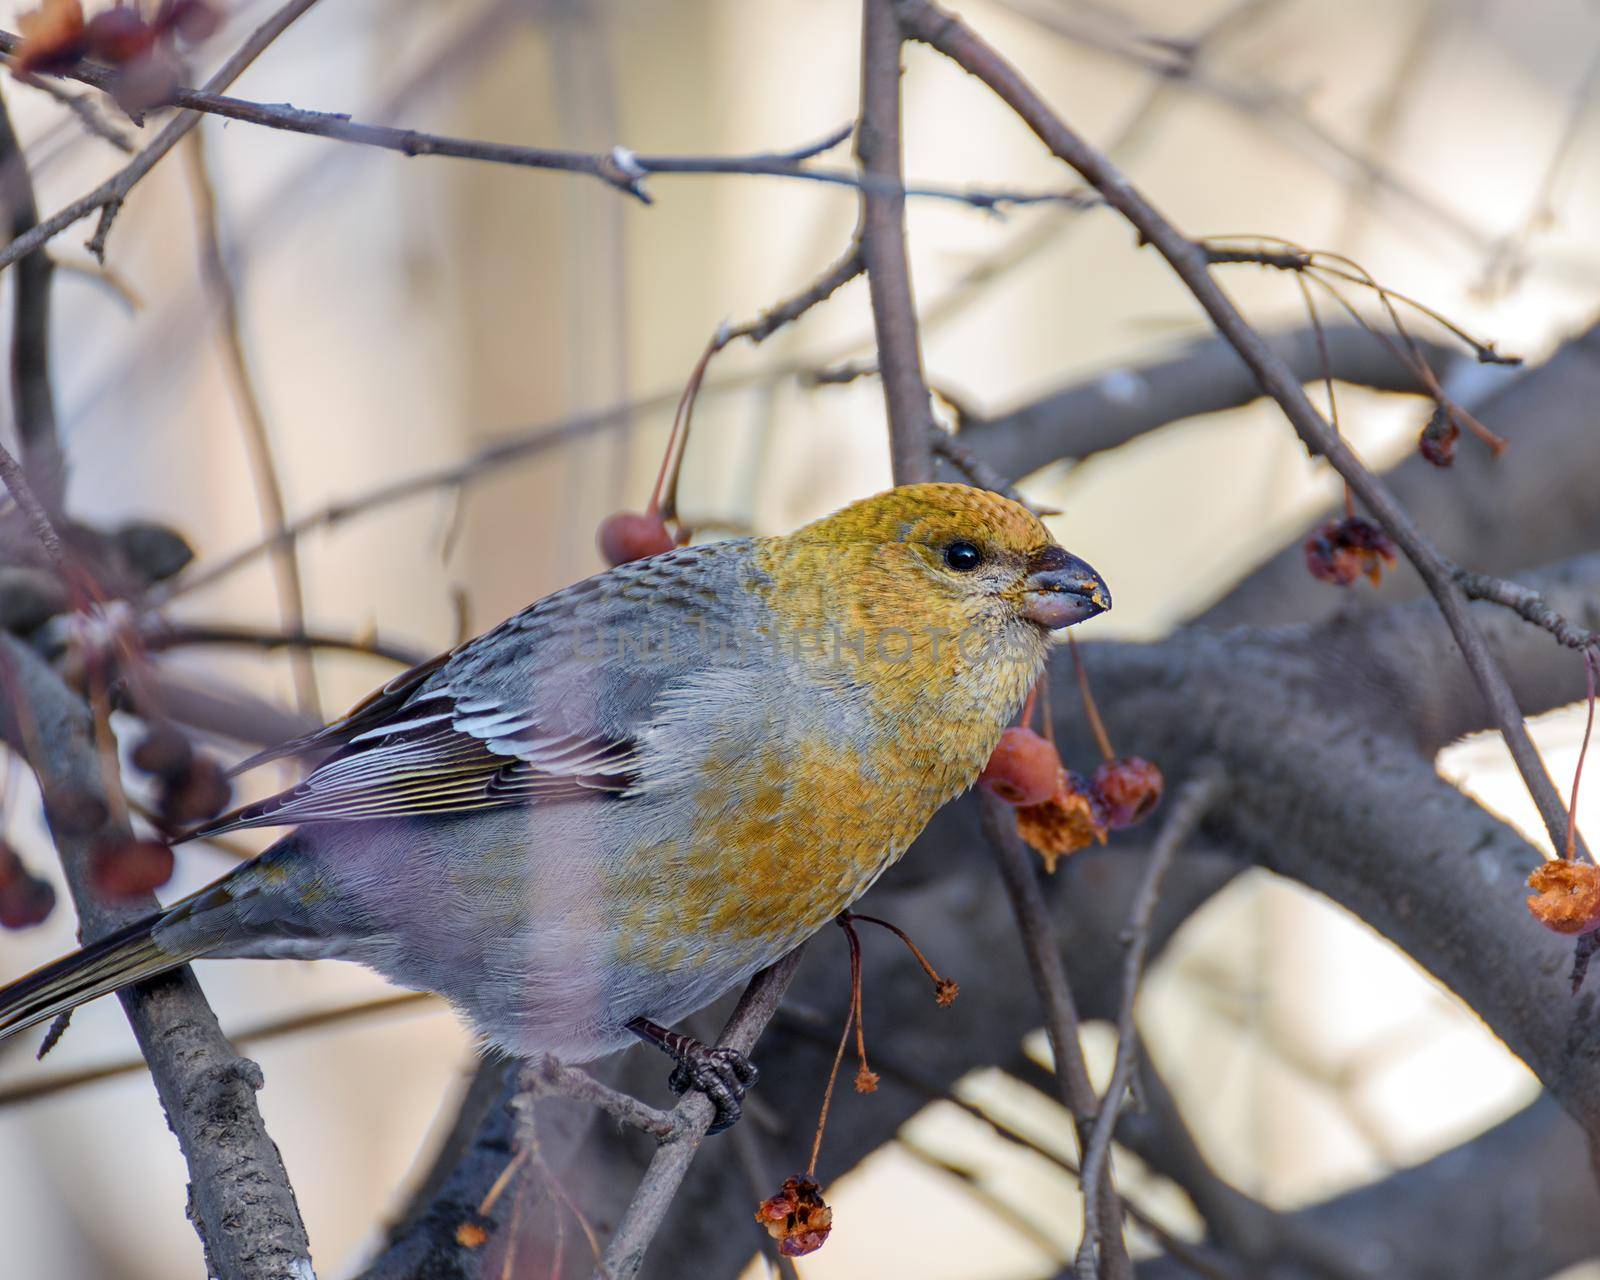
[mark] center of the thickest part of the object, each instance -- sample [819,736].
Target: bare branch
[257,438]
[1189,260]
[883,248]
[691,1118]
[32,400]
[243,1206]
[107,198]
[1018,872]
[1189,806]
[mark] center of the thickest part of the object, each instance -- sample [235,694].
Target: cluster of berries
[56,36]
[1059,811]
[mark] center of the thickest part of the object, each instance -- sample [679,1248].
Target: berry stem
[1101,737]
[664,497]
[1591,666]
[934,975]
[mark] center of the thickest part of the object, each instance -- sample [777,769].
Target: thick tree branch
[243,1206]
[1116,405]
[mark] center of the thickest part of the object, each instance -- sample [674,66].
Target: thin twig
[950,36]
[691,1117]
[548,1076]
[257,438]
[1189,806]
[1049,974]
[158,635]
[107,198]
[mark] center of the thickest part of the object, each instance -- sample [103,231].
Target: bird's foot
[722,1074]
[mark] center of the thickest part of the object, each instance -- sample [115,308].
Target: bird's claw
[722,1074]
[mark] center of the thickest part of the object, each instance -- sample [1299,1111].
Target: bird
[595,818]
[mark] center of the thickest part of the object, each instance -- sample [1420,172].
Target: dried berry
[1438,440]
[1568,896]
[469,1235]
[1022,769]
[797,1217]
[201,792]
[1126,791]
[1341,551]
[945,992]
[132,868]
[866,1079]
[25,900]
[52,37]
[633,535]
[164,752]
[1063,824]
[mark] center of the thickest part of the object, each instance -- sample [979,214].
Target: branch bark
[883,248]
[240,1199]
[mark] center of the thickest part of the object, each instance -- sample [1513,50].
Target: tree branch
[1120,404]
[32,400]
[950,36]
[883,248]
[242,1204]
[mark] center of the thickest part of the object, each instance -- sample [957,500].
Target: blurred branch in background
[1325,728]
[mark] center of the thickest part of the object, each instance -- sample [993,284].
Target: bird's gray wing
[551,703]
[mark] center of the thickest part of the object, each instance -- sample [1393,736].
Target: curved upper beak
[1061,590]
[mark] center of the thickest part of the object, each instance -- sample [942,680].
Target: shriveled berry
[633,535]
[1568,898]
[24,901]
[1341,551]
[1126,790]
[202,791]
[129,869]
[164,752]
[1067,821]
[797,1217]
[1438,440]
[1023,768]
[148,81]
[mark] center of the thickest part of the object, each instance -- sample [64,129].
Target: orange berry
[633,535]
[1569,896]
[1023,768]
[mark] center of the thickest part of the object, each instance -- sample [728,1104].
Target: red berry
[201,791]
[118,35]
[26,900]
[1023,768]
[128,870]
[164,752]
[633,535]
[1126,790]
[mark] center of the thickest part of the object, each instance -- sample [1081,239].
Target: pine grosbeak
[594,819]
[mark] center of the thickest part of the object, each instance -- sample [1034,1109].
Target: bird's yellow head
[930,584]
[948,554]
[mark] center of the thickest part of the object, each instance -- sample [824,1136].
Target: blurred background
[398,314]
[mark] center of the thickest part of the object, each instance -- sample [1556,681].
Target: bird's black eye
[963,557]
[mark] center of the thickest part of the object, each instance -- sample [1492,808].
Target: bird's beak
[1061,590]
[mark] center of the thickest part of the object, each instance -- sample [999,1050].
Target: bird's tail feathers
[129,955]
